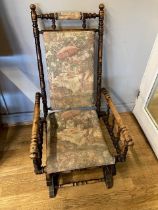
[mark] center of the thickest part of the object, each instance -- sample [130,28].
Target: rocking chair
[76,129]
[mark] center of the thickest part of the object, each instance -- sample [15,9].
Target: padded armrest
[122,128]
[35,128]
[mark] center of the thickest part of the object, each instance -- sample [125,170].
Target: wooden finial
[32,6]
[101,6]
[33,12]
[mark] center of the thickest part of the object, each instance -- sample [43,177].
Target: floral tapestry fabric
[69,56]
[75,141]
[69,15]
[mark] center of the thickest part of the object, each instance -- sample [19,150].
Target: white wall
[130,30]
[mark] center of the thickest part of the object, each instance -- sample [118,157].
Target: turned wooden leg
[108,175]
[38,169]
[113,170]
[52,188]
[48,180]
[52,184]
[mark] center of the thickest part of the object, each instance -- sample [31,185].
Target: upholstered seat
[75,141]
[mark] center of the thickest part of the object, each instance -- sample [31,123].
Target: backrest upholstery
[68,50]
[70,66]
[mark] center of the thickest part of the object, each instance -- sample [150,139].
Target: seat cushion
[70,67]
[75,141]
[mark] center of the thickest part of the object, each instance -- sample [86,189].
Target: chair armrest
[35,128]
[117,117]
[125,139]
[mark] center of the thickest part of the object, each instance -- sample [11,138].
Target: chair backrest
[70,56]
[70,60]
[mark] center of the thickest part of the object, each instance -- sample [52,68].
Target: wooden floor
[135,185]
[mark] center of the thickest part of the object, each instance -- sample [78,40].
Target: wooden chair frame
[121,139]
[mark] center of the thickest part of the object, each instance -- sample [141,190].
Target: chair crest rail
[68,16]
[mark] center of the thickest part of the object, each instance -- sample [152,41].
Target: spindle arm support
[121,132]
[35,128]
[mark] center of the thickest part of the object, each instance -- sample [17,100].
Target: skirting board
[16,119]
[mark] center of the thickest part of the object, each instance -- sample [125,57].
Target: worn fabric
[75,141]
[69,15]
[69,56]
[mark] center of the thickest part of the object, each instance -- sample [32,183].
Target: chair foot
[108,176]
[53,185]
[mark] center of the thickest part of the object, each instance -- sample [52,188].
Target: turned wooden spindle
[100,52]
[35,128]
[39,57]
[122,127]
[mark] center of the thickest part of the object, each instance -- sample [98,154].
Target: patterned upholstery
[75,141]
[69,57]
[69,15]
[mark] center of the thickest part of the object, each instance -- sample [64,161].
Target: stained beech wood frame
[121,140]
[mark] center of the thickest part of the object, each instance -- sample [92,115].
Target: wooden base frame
[52,180]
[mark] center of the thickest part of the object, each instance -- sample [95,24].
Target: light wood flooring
[135,185]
